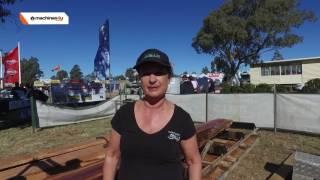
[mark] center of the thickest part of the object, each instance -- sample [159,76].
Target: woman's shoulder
[128,106]
[179,110]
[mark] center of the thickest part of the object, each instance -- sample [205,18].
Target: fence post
[206,106]
[34,114]
[275,107]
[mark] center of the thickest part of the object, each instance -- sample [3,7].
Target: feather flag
[11,66]
[102,59]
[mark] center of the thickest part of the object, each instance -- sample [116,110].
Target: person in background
[18,92]
[193,79]
[211,83]
[186,86]
[203,83]
[149,136]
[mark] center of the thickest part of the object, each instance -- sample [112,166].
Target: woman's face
[154,79]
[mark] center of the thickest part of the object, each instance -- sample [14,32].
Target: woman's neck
[154,102]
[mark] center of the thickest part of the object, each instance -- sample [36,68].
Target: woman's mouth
[152,88]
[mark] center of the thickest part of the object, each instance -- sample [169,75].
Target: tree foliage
[130,74]
[277,55]
[213,67]
[247,88]
[4,11]
[241,30]
[75,73]
[90,77]
[120,77]
[205,70]
[30,70]
[61,75]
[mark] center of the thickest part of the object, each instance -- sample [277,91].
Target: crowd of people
[191,84]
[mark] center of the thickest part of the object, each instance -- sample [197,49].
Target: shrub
[236,89]
[248,88]
[281,89]
[312,86]
[226,88]
[263,88]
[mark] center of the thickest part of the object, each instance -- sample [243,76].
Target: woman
[152,134]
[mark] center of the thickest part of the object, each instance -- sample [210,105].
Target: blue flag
[102,59]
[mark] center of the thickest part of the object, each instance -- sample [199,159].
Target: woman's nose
[152,78]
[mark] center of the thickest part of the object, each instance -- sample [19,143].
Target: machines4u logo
[44,18]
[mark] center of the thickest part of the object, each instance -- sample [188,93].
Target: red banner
[11,67]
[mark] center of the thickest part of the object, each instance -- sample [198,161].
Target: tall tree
[241,30]
[30,70]
[4,11]
[90,77]
[277,55]
[53,77]
[205,70]
[61,75]
[213,67]
[120,77]
[130,74]
[75,73]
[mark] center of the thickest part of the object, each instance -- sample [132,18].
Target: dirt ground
[270,151]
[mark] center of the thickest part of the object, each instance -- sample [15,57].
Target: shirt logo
[174,136]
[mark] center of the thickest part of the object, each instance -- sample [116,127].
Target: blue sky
[134,27]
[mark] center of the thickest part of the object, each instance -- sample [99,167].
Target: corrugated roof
[290,60]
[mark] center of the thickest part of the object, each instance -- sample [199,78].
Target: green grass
[270,151]
[22,140]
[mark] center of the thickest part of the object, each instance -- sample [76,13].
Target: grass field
[22,140]
[261,161]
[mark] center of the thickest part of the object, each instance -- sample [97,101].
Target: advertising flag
[56,68]
[102,59]
[11,67]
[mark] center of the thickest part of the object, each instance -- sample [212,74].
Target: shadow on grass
[50,167]
[279,169]
[17,119]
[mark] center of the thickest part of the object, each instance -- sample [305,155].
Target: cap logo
[152,55]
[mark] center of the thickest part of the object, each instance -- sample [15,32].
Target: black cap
[153,56]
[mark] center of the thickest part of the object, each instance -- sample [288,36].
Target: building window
[282,69]
[288,69]
[265,71]
[299,69]
[275,70]
[291,69]
[294,69]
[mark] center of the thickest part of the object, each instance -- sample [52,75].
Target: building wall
[309,71]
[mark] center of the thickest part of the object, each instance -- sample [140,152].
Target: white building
[287,72]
